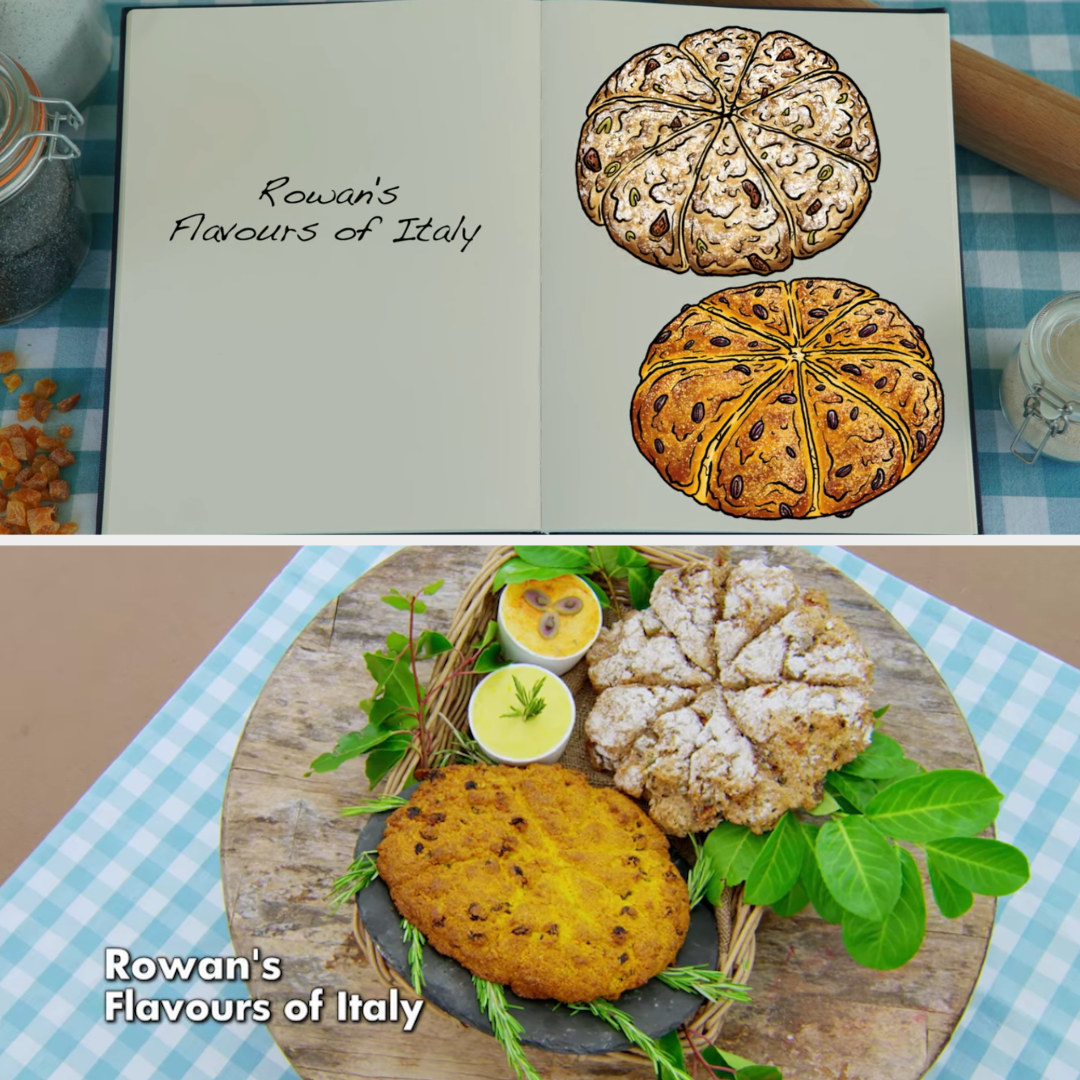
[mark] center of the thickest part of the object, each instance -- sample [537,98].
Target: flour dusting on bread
[729,699]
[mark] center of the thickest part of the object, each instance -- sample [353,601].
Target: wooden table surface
[816,1014]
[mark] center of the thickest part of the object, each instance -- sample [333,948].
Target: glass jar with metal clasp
[1040,387]
[44,225]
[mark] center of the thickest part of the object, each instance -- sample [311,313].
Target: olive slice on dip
[537,599]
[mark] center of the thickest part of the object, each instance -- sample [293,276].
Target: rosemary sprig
[505,1027]
[701,873]
[377,805]
[665,1068]
[698,979]
[463,749]
[530,703]
[415,940]
[361,873]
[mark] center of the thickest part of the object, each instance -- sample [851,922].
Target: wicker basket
[736,921]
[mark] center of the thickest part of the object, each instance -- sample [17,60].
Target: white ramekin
[550,756]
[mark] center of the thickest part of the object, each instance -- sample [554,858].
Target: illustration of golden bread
[798,399]
[729,698]
[531,878]
[732,152]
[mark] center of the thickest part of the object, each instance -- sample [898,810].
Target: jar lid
[1053,348]
[22,119]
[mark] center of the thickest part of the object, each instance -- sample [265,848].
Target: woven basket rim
[476,607]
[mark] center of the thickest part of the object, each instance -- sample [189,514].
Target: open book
[517,265]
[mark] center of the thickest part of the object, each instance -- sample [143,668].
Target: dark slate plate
[654,1007]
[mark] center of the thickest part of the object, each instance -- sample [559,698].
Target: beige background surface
[335,366]
[98,638]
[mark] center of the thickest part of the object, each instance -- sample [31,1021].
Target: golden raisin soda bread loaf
[533,879]
[796,399]
[784,696]
[730,153]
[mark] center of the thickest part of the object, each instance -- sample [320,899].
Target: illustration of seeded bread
[730,153]
[793,399]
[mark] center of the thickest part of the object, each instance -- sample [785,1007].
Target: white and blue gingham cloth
[135,862]
[1020,244]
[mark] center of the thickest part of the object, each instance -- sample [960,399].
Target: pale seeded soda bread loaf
[777,694]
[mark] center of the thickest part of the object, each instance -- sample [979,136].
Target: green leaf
[988,867]
[516,570]
[561,555]
[385,756]
[827,806]
[490,631]
[489,659]
[607,559]
[879,713]
[390,716]
[394,678]
[396,643]
[396,600]
[952,898]
[824,903]
[893,941]
[433,588]
[350,746]
[857,790]
[882,744]
[859,866]
[641,580]
[883,757]
[601,596]
[431,643]
[935,805]
[732,849]
[351,743]
[629,557]
[903,770]
[325,763]
[670,1046]
[744,1069]
[776,869]
[794,902]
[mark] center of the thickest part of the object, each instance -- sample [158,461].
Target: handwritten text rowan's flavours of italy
[421,229]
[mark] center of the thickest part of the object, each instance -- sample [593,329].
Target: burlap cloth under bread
[736,921]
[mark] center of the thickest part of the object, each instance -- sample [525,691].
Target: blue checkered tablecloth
[135,862]
[1021,246]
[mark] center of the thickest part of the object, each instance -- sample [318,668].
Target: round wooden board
[816,1014]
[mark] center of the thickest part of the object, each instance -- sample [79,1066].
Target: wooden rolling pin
[999,112]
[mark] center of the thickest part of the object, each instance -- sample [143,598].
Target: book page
[327,276]
[797,145]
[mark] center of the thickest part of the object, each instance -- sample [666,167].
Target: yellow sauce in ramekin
[510,738]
